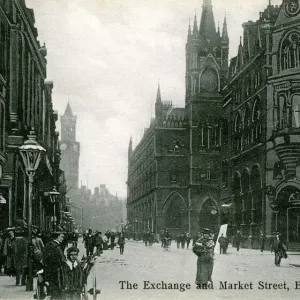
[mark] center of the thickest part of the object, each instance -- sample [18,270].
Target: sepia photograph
[149,149]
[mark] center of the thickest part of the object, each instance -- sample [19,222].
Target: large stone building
[235,156]
[26,111]
[174,172]
[261,159]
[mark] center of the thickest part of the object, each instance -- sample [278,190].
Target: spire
[225,31]
[195,28]
[130,147]
[189,31]
[207,28]
[158,96]
[68,111]
[218,28]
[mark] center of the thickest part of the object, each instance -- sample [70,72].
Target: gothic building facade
[240,156]
[174,172]
[25,110]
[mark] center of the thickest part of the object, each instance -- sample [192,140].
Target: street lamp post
[53,198]
[30,152]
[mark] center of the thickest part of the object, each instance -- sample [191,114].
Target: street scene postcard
[149,149]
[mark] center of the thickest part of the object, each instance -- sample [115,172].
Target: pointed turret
[189,31]
[219,33]
[158,96]
[158,107]
[68,111]
[195,28]
[225,31]
[130,150]
[207,28]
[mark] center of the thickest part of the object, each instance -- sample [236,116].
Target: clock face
[63,146]
[75,147]
[209,80]
[292,8]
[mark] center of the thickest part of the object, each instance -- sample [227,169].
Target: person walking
[112,241]
[7,252]
[98,243]
[280,250]
[20,256]
[2,257]
[204,249]
[178,239]
[54,259]
[182,240]
[89,243]
[262,239]
[121,243]
[222,242]
[188,240]
[238,238]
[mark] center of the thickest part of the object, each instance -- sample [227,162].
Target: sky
[106,58]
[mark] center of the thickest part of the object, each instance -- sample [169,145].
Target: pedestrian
[112,240]
[2,257]
[98,243]
[262,239]
[121,243]
[182,240]
[222,242]
[7,251]
[54,260]
[20,255]
[188,240]
[38,249]
[178,239]
[204,249]
[280,250]
[73,275]
[238,238]
[89,243]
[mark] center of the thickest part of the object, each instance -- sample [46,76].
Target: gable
[289,13]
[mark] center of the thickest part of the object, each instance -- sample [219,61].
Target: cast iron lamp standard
[31,153]
[53,199]
[122,225]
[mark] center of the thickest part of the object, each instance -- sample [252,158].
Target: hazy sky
[107,56]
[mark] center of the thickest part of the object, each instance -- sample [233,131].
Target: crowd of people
[54,258]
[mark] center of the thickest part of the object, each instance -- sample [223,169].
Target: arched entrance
[209,215]
[174,213]
[288,217]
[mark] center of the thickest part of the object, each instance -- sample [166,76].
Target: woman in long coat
[204,249]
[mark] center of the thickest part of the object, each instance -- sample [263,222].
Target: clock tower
[206,69]
[70,150]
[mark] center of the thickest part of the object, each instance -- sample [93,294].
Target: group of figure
[149,238]
[96,241]
[182,240]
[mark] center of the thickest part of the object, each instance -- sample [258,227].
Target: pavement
[138,274]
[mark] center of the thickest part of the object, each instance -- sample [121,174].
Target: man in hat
[53,259]
[73,274]
[279,249]
[7,251]
[204,249]
[20,255]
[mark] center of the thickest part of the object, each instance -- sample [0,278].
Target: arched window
[225,131]
[225,174]
[247,130]
[290,51]
[256,119]
[282,111]
[296,111]
[237,133]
